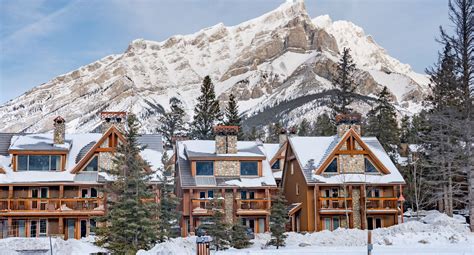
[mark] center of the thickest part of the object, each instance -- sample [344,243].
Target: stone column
[229,206]
[356,207]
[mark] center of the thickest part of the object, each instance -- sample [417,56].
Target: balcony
[51,206]
[379,204]
[253,206]
[335,204]
[206,207]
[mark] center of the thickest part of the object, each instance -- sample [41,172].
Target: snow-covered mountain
[278,65]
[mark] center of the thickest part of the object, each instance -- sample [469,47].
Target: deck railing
[253,204]
[381,203]
[336,203]
[51,204]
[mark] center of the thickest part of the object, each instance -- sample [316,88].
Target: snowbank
[435,229]
[11,246]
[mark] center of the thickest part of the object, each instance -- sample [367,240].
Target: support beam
[316,208]
[191,220]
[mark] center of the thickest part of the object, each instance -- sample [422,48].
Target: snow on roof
[37,142]
[203,148]
[312,151]
[271,149]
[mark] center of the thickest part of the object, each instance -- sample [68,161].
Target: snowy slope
[274,59]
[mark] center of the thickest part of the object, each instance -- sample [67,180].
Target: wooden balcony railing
[381,203]
[51,204]
[253,204]
[330,203]
[206,206]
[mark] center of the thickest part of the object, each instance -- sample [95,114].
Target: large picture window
[249,168]
[369,167]
[204,168]
[93,165]
[39,162]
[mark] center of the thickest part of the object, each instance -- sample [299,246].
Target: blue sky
[40,39]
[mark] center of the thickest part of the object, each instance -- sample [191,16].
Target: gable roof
[192,149]
[312,152]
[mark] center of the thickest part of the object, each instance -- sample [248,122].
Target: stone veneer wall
[105,161]
[343,128]
[232,144]
[226,144]
[356,208]
[59,133]
[351,163]
[227,168]
[229,206]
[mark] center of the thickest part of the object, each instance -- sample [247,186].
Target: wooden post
[191,223]
[61,226]
[10,223]
[369,242]
[316,207]
[401,202]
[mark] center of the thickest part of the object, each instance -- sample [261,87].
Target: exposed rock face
[281,56]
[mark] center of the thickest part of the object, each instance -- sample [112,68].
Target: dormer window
[248,168]
[332,167]
[276,165]
[369,167]
[204,168]
[38,163]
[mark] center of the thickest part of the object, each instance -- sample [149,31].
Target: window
[292,171]
[210,194]
[276,165]
[39,163]
[204,168]
[249,168]
[369,167]
[243,194]
[93,165]
[43,227]
[297,189]
[335,223]
[332,168]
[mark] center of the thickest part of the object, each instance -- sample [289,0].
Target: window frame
[367,160]
[211,163]
[95,157]
[335,159]
[57,163]
[248,162]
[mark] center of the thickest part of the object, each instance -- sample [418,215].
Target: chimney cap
[226,130]
[349,118]
[104,115]
[59,120]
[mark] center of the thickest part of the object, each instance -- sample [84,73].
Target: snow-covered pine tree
[278,219]
[172,122]
[344,84]
[254,135]
[206,112]
[232,117]
[405,129]
[323,126]
[274,131]
[130,223]
[382,123]
[238,236]
[168,213]
[461,15]
[304,128]
[219,229]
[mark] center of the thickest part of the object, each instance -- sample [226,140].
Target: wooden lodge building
[235,177]
[342,180]
[50,184]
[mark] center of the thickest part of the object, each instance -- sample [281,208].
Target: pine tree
[172,122]
[304,128]
[324,126]
[206,112]
[239,238]
[219,230]
[278,219]
[232,115]
[254,135]
[382,123]
[130,223]
[344,84]
[405,129]
[168,213]
[274,131]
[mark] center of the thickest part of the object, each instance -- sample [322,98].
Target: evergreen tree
[278,219]
[344,84]
[254,135]
[304,128]
[172,122]
[382,123]
[274,131]
[130,223]
[232,115]
[168,213]
[206,112]
[239,238]
[324,126]
[405,129]
[219,230]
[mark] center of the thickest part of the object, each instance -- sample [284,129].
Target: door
[327,223]
[335,223]
[33,228]
[261,225]
[70,223]
[21,228]
[378,222]
[83,228]
[252,224]
[298,222]
[370,223]
[44,194]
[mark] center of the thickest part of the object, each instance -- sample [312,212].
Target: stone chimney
[116,119]
[345,122]
[226,139]
[59,130]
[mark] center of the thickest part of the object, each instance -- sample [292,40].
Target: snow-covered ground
[435,233]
